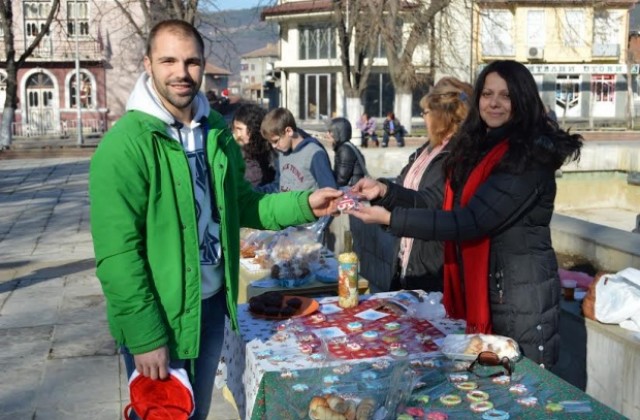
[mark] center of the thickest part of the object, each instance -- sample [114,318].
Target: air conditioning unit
[535,53]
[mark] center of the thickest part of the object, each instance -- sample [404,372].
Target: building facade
[576,51]
[257,75]
[310,66]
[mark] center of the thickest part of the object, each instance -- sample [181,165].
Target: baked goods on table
[468,346]
[333,407]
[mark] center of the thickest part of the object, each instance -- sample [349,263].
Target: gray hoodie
[192,138]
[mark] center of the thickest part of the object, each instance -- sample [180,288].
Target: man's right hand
[154,364]
[370,188]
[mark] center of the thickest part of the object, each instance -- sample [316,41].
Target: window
[244,67]
[573,28]
[253,67]
[35,18]
[77,15]
[317,96]
[317,41]
[603,87]
[379,96]
[606,33]
[568,95]
[535,28]
[86,91]
[497,33]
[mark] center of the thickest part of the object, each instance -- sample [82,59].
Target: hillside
[231,33]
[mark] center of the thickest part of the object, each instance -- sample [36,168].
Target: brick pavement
[57,358]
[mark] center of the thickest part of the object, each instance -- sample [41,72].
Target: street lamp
[80,140]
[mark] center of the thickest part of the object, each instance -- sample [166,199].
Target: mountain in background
[232,33]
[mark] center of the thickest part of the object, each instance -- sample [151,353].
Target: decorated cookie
[399,352]
[388,338]
[354,326]
[450,400]
[527,401]
[481,406]
[466,386]
[370,335]
[300,387]
[415,412]
[501,380]
[458,377]
[318,318]
[392,326]
[518,389]
[354,346]
[476,395]
[554,407]
[496,415]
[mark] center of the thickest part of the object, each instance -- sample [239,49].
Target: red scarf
[474,304]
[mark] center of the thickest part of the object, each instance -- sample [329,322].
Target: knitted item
[169,399]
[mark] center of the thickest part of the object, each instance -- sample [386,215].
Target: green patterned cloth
[286,394]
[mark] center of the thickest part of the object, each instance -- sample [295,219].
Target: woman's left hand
[372,214]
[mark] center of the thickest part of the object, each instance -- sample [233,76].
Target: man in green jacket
[168,197]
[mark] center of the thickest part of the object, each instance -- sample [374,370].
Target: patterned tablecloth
[259,348]
[271,377]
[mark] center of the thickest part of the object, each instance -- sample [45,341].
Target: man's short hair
[176,26]
[276,122]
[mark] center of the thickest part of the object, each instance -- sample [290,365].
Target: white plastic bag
[618,299]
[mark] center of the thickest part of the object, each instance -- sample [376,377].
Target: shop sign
[581,68]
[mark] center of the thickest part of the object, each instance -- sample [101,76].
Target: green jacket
[144,228]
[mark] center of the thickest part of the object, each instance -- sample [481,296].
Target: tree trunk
[5,129]
[354,110]
[402,109]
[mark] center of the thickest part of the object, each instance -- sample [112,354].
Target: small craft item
[501,380]
[527,401]
[481,407]
[518,389]
[348,201]
[476,395]
[458,377]
[450,400]
[496,415]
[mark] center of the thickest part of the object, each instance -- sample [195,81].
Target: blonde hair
[448,102]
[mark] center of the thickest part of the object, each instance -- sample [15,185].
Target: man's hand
[154,364]
[324,202]
[370,189]
[373,214]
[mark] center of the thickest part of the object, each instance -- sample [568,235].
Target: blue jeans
[212,316]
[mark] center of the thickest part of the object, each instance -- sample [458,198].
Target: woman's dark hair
[533,137]
[258,148]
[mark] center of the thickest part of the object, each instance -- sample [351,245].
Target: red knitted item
[474,304]
[167,399]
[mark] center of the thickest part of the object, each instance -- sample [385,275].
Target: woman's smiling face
[495,103]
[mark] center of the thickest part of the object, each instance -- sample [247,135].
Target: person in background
[348,163]
[501,272]
[367,126]
[260,159]
[392,127]
[420,263]
[303,161]
[551,113]
[167,199]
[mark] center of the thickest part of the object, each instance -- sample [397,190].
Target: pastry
[476,395]
[481,407]
[458,377]
[450,400]
[366,409]
[501,380]
[518,389]
[391,326]
[370,335]
[496,415]
[466,386]
[354,326]
[527,401]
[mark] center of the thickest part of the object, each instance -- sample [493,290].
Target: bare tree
[357,39]
[13,64]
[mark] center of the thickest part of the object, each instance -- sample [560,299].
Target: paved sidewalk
[57,358]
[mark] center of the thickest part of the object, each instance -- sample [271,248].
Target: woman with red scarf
[501,273]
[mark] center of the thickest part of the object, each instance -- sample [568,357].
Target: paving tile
[32,343]
[79,340]
[19,385]
[80,380]
[18,415]
[26,307]
[100,411]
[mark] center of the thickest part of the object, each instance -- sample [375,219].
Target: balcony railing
[66,128]
[63,50]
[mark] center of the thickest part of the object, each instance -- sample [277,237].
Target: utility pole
[76,31]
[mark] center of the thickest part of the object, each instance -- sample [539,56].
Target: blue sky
[240,4]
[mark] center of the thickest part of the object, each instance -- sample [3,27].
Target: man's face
[176,67]
[241,133]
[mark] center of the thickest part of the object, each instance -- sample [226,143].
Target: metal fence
[66,128]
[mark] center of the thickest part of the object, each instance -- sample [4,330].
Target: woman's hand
[370,189]
[324,202]
[373,214]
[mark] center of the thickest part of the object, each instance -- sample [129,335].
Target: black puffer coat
[426,261]
[346,167]
[515,212]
